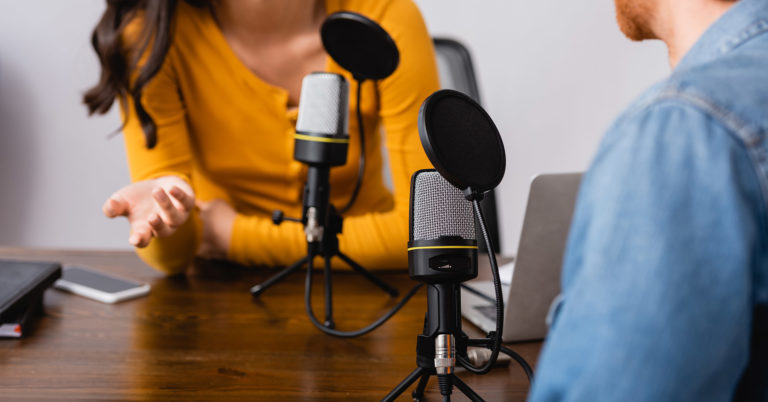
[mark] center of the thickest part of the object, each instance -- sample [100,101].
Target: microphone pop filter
[359,45]
[461,141]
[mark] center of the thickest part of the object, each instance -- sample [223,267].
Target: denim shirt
[665,277]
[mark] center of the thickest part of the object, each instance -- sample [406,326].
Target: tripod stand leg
[415,374]
[260,288]
[328,296]
[418,393]
[371,277]
[466,390]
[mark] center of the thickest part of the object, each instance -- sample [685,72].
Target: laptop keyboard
[488,310]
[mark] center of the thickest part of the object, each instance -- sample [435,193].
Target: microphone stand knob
[277,217]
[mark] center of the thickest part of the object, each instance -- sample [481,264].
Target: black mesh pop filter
[461,141]
[359,45]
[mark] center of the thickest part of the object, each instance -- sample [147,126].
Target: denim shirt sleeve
[657,277]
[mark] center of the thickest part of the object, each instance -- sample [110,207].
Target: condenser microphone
[321,141]
[442,245]
[465,148]
[322,135]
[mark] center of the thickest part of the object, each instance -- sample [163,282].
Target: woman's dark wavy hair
[118,63]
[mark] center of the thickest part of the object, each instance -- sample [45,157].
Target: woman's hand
[154,208]
[218,218]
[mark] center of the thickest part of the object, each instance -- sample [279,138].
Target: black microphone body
[322,136]
[442,246]
[321,141]
[442,252]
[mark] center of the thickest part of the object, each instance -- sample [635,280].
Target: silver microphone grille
[324,105]
[439,209]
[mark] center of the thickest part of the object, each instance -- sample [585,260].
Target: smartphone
[99,286]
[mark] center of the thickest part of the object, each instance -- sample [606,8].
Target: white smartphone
[99,286]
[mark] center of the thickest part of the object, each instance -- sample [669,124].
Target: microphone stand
[443,342]
[321,148]
[438,345]
[322,225]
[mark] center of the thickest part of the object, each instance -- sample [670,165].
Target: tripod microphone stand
[321,142]
[322,225]
[438,346]
[443,342]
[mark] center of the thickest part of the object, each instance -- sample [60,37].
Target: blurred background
[552,75]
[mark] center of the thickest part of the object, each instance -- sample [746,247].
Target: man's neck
[682,22]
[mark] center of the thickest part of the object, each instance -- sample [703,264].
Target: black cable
[519,359]
[361,165]
[445,385]
[359,332]
[499,300]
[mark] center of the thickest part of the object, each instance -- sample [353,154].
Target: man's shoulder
[732,89]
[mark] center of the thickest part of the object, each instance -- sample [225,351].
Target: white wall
[56,165]
[552,74]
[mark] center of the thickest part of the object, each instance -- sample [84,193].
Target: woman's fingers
[186,202]
[141,237]
[171,215]
[151,210]
[115,206]
[158,226]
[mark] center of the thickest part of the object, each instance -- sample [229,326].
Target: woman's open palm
[154,208]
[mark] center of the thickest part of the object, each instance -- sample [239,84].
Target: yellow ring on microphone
[436,247]
[321,139]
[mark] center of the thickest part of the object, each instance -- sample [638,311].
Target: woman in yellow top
[209,93]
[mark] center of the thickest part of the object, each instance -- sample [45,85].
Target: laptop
[532,281]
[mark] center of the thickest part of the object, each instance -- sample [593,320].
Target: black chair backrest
[456,71]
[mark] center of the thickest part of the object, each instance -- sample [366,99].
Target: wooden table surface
[202,336]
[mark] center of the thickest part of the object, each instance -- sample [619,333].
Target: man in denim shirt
[665,279]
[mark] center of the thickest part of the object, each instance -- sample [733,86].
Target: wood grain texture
[202,336]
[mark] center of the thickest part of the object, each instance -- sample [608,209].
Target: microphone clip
[278,217]
[471,194]
[313,229]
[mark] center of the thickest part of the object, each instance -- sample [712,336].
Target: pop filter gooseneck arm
[361,160]
[494,339]
[362,47]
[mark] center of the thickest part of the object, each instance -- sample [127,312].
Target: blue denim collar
[745,20]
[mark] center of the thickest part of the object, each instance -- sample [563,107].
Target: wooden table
[202,336]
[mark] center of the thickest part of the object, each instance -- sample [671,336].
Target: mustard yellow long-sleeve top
[230,134]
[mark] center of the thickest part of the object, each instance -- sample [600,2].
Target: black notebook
[22,283]
[18,321]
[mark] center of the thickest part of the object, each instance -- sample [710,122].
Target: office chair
[454,65]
